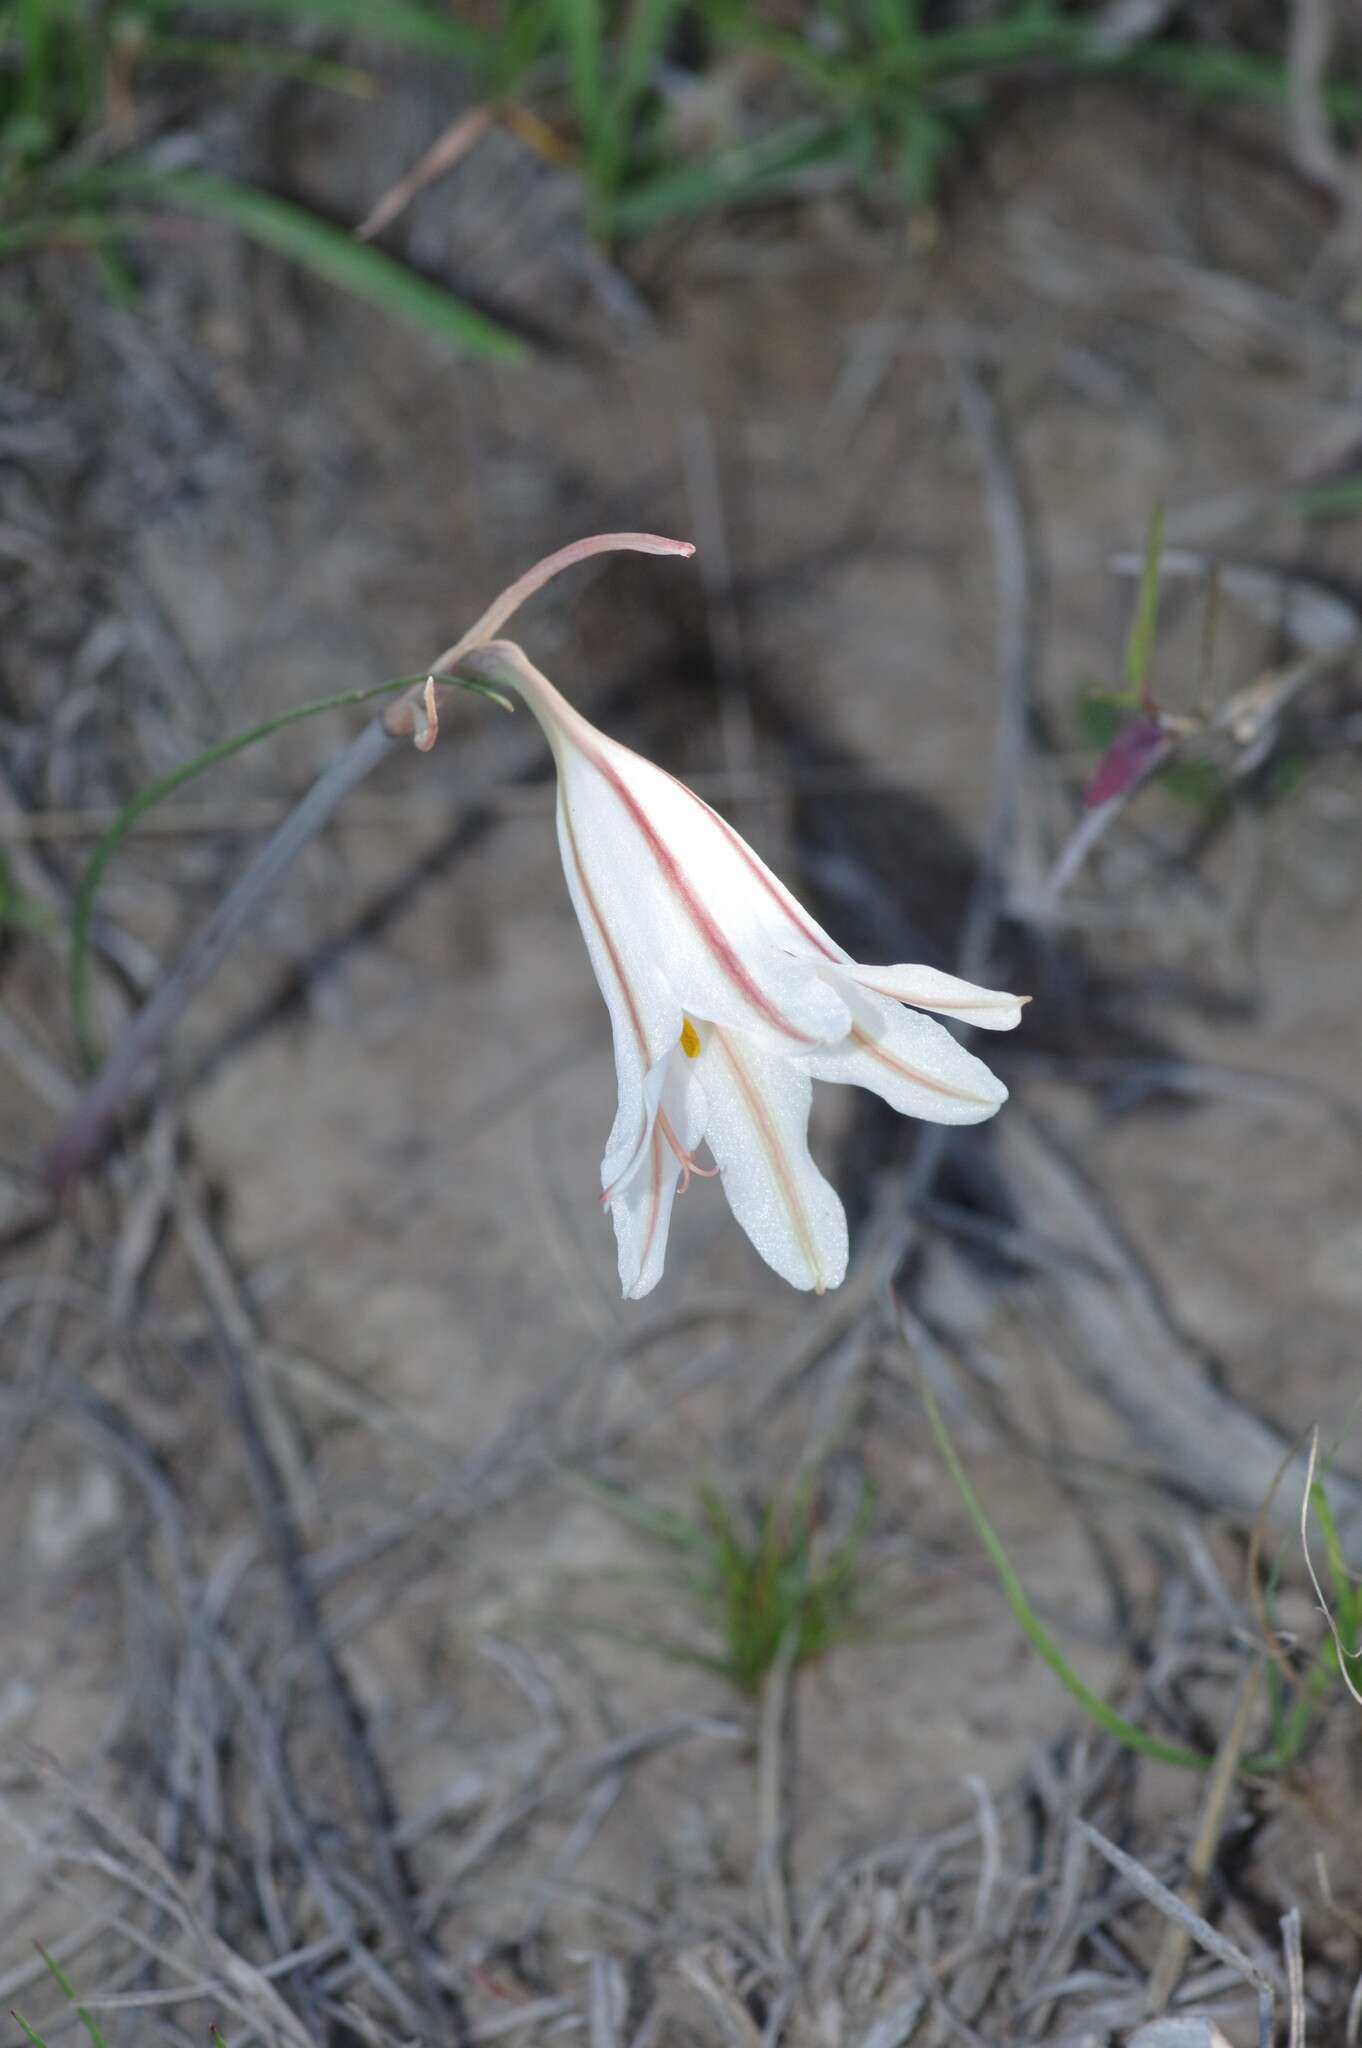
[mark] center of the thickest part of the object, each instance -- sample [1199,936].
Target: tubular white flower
[727,1000]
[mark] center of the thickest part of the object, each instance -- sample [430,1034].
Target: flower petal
[927,988]
[641,1207]
[694,894]
[912,1062]
[695,898]
[756,1125]
[645,1018]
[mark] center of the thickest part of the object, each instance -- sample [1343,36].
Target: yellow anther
[690,1039]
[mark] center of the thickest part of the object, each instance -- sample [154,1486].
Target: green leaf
[925,141]
[1140,645]
[663,1524]
[582,26]
[649,22]
[1222,72]
[895,27]
[437,32]
[80,227]
[324,250]
[528,33]
[1339,499]
[1346,1593]
[63,1983]
[217,53]
[83,909]
[17,911]
[725,180]
[1032,1628]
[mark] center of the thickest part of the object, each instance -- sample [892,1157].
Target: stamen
[690,1039]
[688,1165]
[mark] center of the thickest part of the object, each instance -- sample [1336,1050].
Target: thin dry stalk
[1198,1929]
[1172,1956]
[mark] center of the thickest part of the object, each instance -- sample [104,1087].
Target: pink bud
[1134,752]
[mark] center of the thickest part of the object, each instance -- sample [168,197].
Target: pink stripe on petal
[654,1198]
[720,948]
[786,1185]
[616,964]
[865,1043]
[782,902]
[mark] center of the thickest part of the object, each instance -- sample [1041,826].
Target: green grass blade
[925,142]
[437,33]
[35,42]
[217,54]
[1032,1628]
[582,26]
[1343,1626]
[1027,34]
[19,912]
[893,24]
[1339,499]
[83,910]
[668,1647]
[1227,73]
[649,22]
[1344,1590]
[20,2021]
[327,252]
[664,1524]
[527,33]
[1140,645]
[81,228]
[726,180]
[63,1983]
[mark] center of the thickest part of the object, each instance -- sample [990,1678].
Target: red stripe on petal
[617,966]
[787,1187]
[897,1066]
[720,947]
[654,1201]
[791,911]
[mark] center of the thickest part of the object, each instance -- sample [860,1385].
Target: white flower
[727,1001]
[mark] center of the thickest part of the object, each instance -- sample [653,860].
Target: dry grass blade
[1295,1978]
[449,149]
[1198,1929]
[1172,1955]
[1179,2033]
[774,1779]
[1309,36]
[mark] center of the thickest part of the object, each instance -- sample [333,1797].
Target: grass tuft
[63,1984]
[759,1577]
[883,89]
